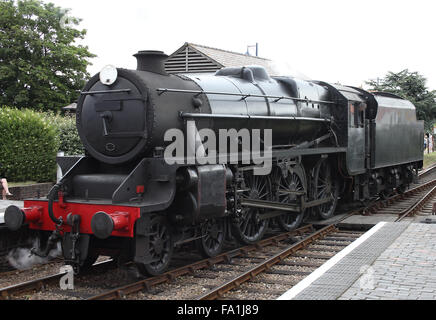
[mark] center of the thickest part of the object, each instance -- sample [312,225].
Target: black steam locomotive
[287,148]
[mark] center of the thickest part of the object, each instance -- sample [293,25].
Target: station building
[195,58]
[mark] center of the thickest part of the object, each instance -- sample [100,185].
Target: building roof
[233,59]
[191,58]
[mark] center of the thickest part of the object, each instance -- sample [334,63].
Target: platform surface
[391,261]
[6,203]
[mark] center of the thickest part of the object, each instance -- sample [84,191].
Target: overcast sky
[347,41]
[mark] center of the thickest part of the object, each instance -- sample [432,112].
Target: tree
[410,86]
[41,67]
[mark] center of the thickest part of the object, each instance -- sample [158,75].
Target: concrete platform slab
[367,222]
[391,261]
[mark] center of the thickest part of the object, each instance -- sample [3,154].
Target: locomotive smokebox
[151,61]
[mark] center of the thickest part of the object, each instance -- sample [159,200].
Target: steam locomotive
[287,148]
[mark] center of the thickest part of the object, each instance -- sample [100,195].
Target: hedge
[70,142]
[28,146]
[30,141]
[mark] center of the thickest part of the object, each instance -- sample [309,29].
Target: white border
[303,284]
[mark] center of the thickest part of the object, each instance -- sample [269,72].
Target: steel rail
[40,283]
[148,283]
[13,271]
[264,266]
[387,202]
[417,205]
[427,170]
[29,286]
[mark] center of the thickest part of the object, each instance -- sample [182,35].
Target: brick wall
[30,191]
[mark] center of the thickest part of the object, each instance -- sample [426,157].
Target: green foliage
[28,145]
[429,159]
[410,86]
[69,139]
[41,66]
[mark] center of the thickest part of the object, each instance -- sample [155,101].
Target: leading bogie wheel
[213,234]
[160,247]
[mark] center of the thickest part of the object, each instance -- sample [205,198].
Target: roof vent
[151,61]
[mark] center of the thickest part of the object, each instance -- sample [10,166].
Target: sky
[338,41]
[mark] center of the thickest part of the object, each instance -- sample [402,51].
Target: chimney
[151,61]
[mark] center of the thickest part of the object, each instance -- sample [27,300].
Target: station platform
[391,261]
[6,203]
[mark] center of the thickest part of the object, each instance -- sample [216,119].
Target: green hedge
[70,142]
[29,143]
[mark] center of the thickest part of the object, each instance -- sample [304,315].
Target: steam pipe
[55,236]
[51,196]
[52,240]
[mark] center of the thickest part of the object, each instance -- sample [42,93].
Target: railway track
[256,271]
[277,258]
[424,205]
[252,271]
[5,276]
[427,173]
[400,202]
[4,265]
[318,248]
[196,269]
[44,283]
[27,288]
[421,207]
